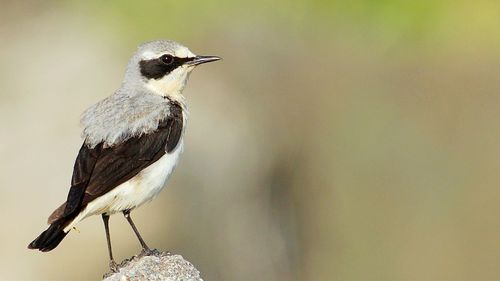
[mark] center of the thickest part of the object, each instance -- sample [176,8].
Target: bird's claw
[146,252]
[113,266]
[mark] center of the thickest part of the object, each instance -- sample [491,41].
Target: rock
[155,266]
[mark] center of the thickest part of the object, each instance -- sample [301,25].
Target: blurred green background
[337,140]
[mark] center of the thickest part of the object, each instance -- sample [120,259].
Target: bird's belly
[140,189]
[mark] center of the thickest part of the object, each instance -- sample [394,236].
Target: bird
[132,141]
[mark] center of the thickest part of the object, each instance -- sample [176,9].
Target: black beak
[203,59]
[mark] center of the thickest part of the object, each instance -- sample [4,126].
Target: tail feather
[50,238]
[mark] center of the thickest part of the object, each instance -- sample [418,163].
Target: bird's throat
[172,85]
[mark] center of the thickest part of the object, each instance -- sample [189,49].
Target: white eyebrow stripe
[180,53]
[184,53]
[149,55]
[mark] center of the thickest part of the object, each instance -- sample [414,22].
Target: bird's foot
[113,266]
[148,252]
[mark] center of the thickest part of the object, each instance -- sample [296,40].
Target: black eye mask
[159,67]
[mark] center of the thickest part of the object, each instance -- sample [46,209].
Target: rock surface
[155,266]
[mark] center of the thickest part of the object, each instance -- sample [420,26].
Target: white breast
[131,194]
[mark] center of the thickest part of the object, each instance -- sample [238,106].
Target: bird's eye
[167,59]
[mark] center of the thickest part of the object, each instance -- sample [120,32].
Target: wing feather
[100,169]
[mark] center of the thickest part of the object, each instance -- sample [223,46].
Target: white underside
[142,188]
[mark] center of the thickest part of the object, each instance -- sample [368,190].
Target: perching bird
[132,142]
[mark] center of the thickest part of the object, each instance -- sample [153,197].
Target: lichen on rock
[155,266]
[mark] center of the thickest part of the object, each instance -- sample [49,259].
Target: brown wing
[98,170]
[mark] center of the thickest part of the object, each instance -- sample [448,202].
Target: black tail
[50,238]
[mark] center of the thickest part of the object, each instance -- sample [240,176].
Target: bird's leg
[145,248]
[112,264]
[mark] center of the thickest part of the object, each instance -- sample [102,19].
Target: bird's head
[163,66]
